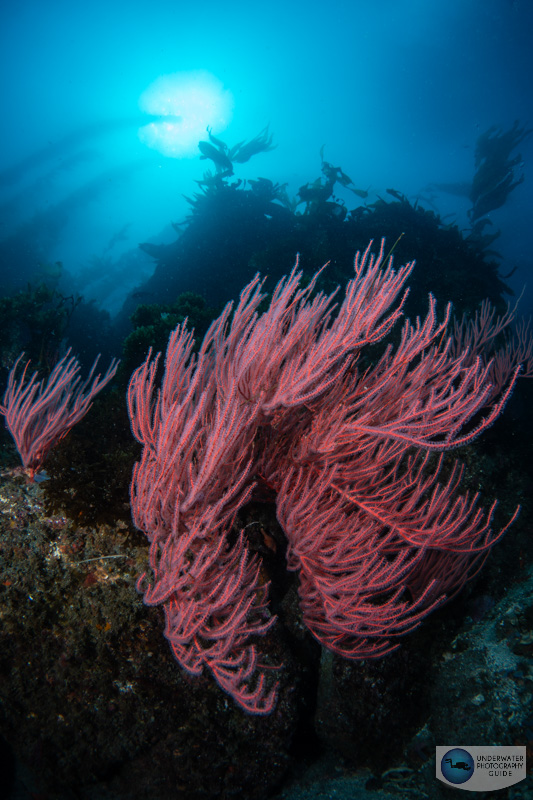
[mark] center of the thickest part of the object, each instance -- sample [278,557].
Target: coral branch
[378,542]
[39,415]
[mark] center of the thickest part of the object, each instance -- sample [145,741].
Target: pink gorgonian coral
[281,399]
[38,414]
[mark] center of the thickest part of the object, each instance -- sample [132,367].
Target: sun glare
[185,103]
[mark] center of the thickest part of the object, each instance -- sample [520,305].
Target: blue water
[397,92]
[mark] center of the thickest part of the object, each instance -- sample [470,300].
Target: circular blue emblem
[457,765]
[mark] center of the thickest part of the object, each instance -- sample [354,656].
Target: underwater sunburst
[184,104]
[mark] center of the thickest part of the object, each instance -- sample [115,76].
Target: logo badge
[480,768]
